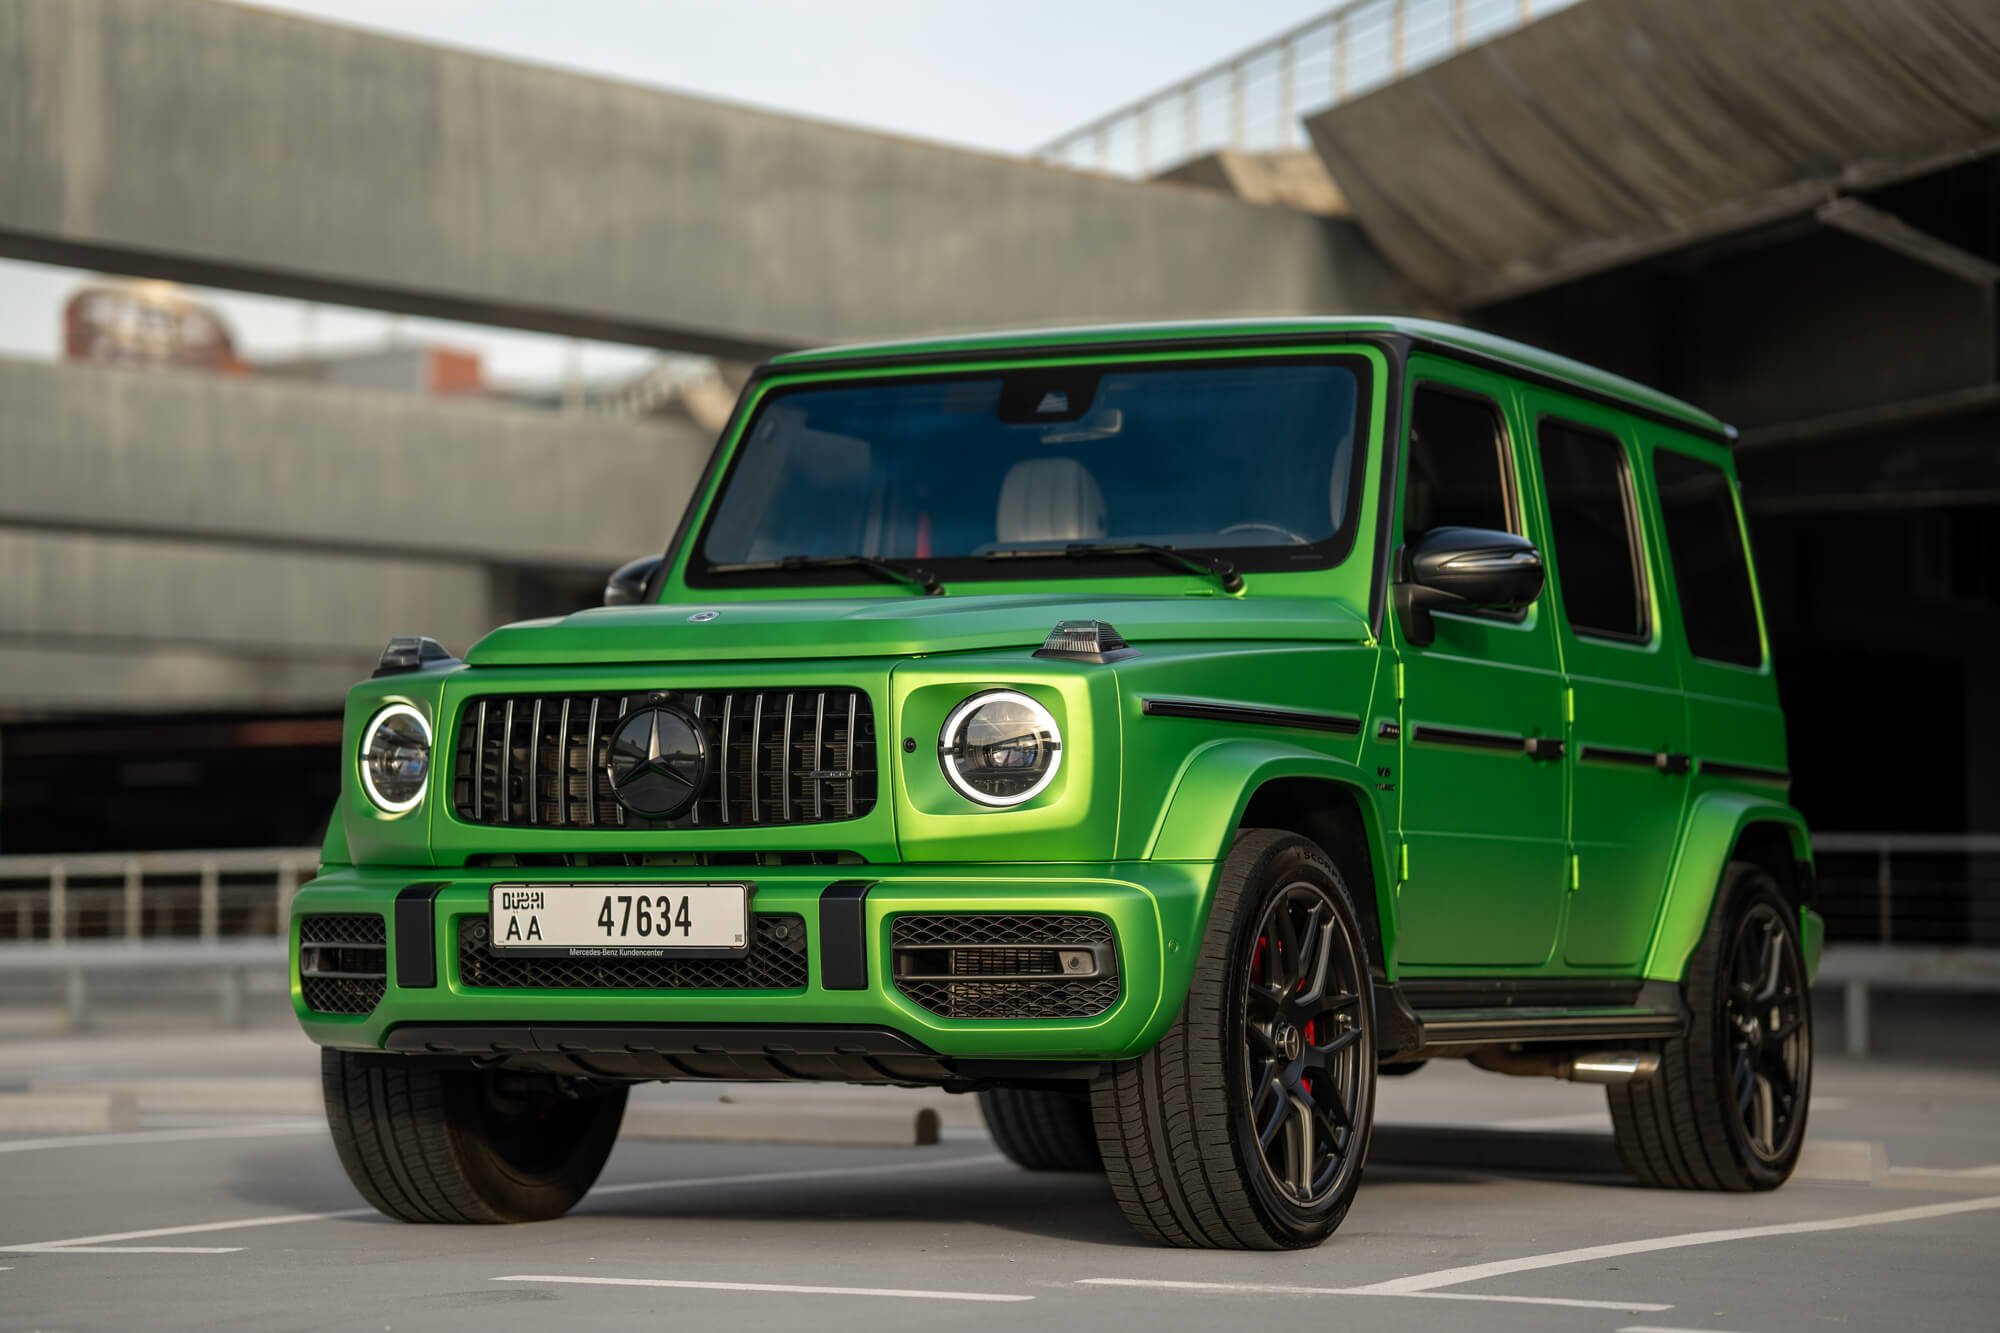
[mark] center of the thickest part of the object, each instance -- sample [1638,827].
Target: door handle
[1546,747]
[1674,765]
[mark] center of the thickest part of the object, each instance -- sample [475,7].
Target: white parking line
[776,1287]
[1664,1328]
[103,1244]
[262,1129]
[1277,1289]
[1451,1277]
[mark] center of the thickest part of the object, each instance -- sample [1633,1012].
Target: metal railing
[135,896]
[1256,98]
[1932,889]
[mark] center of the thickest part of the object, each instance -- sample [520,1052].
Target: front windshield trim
[698,571]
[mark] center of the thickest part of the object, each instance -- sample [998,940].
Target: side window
[1599,564]
[1458,474]
[1711,570]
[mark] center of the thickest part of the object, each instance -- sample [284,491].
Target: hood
[895,627]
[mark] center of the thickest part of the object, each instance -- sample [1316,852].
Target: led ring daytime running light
[955,723]
[375,725]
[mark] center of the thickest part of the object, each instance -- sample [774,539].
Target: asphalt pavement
[1500,1210]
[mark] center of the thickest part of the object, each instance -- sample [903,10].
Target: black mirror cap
[628,583]
[1464,569]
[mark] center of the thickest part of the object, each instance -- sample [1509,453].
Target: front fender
[1708,835]
[1215,786]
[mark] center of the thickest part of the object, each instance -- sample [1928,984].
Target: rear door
[1627,739]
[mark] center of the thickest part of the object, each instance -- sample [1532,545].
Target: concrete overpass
[179,542]
[224,145]
[1620,129]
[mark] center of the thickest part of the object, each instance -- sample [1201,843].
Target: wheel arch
[1722,827]
[1233,785]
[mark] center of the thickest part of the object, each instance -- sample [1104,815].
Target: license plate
[621,920]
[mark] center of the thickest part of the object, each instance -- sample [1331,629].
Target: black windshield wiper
[1213,566]
[916,578]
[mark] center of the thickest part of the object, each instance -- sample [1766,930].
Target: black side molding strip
[416,937]
[1611,754]
[1337,723]
[843,935]
[1423,733]
[1674,765]
[1777,777]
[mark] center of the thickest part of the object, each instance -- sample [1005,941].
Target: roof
[1520,356]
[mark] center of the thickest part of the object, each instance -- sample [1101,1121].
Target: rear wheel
[1727,1109]
[1247,1126]
[466,1145]
[1043,1129]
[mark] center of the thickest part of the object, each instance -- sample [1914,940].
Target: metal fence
[151,895]
[1931,889]
[1874,888]
[1255,99]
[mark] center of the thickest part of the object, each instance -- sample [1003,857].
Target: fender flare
[1714,824]
[1199,819]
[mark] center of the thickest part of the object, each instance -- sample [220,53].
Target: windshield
[1255,461]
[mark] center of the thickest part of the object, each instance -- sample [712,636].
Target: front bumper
[1156,911]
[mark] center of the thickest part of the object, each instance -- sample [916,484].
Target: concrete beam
[308,467]
[91,591]
[262,151]
[1619,129]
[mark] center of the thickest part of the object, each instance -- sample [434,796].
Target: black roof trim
[1389,340]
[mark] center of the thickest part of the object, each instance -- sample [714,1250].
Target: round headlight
[396,758]
[1000,748]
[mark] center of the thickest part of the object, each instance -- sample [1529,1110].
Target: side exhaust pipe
[1588,1067]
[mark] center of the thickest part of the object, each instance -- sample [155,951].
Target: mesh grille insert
[803,755]
[776,961]
[934,951]
[343,963]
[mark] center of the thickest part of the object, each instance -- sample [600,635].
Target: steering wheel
[1296,539]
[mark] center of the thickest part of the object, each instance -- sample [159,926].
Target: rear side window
[1711,570]
[1457,474]
[1596,543]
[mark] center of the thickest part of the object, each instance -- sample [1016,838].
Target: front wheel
[1247,1126]
[1727,1109]
[466,1145]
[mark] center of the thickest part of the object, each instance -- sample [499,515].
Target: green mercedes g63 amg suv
[1156,731]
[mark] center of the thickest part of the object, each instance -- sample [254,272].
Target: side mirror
[1463,569]
[627,584]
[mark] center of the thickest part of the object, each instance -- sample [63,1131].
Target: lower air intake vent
[986,966]
[342,963]
[776,961]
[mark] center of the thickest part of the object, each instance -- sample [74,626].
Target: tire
[1179,1126]
[1727,1109]
[1043,1129]
[446,1145]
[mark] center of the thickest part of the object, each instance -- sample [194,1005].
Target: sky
[995,75]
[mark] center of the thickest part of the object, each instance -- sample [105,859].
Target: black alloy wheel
[1727,1108]
[1302,1027]
[1764,1021]
[1247,1125]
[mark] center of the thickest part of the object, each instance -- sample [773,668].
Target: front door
[1628,730]
[1482,708]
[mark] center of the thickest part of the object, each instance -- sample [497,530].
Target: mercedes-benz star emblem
[658,759]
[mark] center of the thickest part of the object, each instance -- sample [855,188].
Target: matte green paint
[1469,852]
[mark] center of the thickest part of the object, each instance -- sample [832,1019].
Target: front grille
[780,756]
[776,961]
[343,963]
[1014,966]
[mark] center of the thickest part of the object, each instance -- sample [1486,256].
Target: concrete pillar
[211,900]
[134,909]
[1856,1012]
